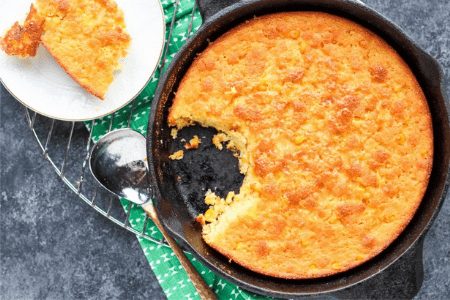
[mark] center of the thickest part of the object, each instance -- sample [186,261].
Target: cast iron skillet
[395,273]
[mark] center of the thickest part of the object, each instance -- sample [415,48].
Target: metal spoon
[118,162]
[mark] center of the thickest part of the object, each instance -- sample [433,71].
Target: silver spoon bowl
[118,161]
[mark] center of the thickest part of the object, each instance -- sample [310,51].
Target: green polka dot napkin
[170,274]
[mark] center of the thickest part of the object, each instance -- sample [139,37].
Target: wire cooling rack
[67,144]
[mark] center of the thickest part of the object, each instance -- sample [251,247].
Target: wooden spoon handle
[202,288]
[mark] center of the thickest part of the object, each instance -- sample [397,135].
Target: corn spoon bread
[87,38]
[334,137]
[23,40]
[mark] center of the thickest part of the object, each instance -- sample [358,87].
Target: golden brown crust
[87,38]
[24,40]
[335,131]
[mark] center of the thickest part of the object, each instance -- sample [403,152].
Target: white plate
[43,86]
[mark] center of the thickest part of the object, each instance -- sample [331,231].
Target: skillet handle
[401,280]
[209,8]
[202,288]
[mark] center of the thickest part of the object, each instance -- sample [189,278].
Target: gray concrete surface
[54,246]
